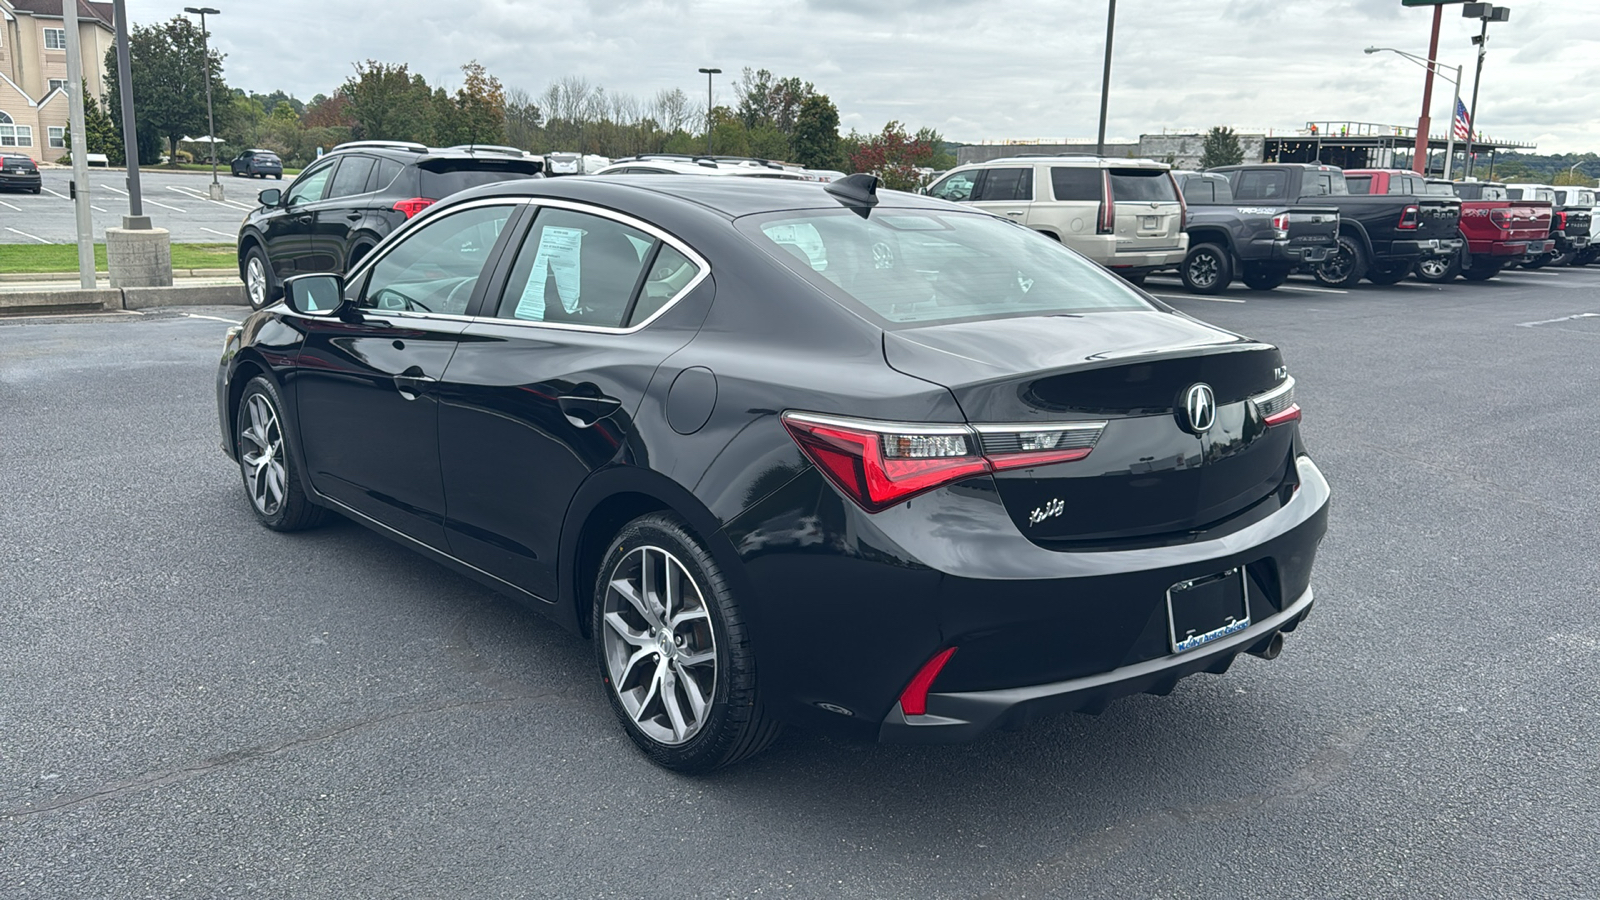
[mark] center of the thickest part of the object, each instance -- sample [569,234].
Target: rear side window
[1203,190]
[1076,184]
[957,187]
[383,175]
[1006,184]
[579,269]
[917,266]
[1323,184]
[1262,184]
[1359,184]
[352,176]
[1147,185]
[1561,198]
[1514,193]
[1492,193]
[441,178]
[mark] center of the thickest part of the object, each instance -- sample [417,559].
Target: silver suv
[1125,214]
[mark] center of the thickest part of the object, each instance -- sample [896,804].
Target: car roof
[1102,162]
[729,197]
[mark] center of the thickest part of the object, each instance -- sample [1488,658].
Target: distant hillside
[1555,168]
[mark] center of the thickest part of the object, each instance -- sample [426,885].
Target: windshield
[914,266]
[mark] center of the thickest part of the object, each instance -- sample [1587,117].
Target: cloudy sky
[974,70]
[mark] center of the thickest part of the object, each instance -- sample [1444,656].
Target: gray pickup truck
[1257,240]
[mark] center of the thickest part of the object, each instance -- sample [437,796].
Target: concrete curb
[21,303]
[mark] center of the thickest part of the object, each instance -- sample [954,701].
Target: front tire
[673,650]
[261,444]
[1346,267]
[1208,269]
[259,286]
[1389,273]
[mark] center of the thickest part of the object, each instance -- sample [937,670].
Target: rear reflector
[879,464]
[914,699]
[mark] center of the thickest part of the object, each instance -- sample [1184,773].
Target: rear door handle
[352,216]
[1015,212]
[412,383]
[585,409]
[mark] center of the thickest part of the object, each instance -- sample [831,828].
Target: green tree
[169,85]
[816,134]
[1221,148]
[767,100]
[477,112]
[387,102]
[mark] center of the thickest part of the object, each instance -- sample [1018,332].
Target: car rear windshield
[909,266]
[1492,193]
[441,178]
[16,161]
[1135,185]
[1358,184]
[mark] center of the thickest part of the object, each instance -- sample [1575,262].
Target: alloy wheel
[255,281]
[261,456]
[1338,266]
[1434,267]
[660,646]
[1203,270]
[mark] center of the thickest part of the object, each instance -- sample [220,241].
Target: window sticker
[803,237]
[557,257]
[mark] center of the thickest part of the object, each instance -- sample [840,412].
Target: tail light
[1108,206]
[879,464]
[1280,226]
[1500,218]
[1277,406]
[1561,221]
[414,205]
[1411,218]
[914,699]
[1183,205]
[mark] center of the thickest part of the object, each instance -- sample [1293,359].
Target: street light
[1105,79]
[708,73]
[1488,13]
[1433,66]
[211,122]
[1572,170]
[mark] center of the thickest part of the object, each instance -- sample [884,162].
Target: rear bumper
[964,716]
[1567,244]
[1429,247]
[21,182]
[1283,251]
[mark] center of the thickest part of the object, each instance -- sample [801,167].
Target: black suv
[257,164]
[19,172]
[342,205]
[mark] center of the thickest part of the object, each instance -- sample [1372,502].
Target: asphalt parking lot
[176,201]
[192,706]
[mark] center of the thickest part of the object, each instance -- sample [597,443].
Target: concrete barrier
[34,302]
[184,295]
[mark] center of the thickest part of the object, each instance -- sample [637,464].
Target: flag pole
[1450,141]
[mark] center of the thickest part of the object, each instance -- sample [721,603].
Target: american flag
[1463,124]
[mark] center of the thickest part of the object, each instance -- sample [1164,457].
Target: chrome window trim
[659,234]
[878,425]
[396,236]
[1029,427]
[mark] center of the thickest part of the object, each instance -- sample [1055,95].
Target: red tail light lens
[1411,218]
[1108,207]
[1561,221]
[914,699]
[1500,218]
[414,205]
[1280,226]
[880,464]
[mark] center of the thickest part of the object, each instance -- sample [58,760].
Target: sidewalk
[50,293]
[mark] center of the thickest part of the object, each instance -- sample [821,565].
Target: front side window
[1077,183]
[1142,186]
[55,39]
[351,177]
[308,187]
[580,269]
[1006,184]
[435,268]
[916,266]
[957,187]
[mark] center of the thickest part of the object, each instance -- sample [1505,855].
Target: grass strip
[33,259]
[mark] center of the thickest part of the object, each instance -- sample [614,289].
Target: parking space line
[117,189]
[1310,290]
[5,204]
[213,318]
[27,235]
[214,231]
[1196,297]
[192,194]
[164,206]
[1586,315]
[95,208]
[62,196]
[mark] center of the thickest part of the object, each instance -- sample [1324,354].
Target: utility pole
[1105,79]
[80,147]
[135,220]
[211,121]
[1419,156]
[708,73]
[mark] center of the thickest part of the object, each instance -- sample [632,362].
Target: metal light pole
[1432,65]
[708,73]
[1488,13]
[1105,79]
[135,219]
[211,122]
[80,148]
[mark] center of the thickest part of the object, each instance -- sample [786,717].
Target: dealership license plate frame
[1202,605]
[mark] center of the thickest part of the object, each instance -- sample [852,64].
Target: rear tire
[1562,259]
[1477,270]
[260,288]
[1346,267]
[1539,262]
[1438,269]
[1208,269]
[1263,276]
[682,681]
[271,479]
[1389,273]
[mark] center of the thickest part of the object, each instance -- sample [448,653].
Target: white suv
[1125,214]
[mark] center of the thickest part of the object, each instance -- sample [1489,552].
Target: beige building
[33,71]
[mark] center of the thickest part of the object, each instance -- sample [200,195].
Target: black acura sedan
[792,453]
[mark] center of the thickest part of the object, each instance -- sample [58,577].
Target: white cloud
[975,71]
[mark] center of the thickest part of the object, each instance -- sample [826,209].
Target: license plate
[1149,223]
[1206,609]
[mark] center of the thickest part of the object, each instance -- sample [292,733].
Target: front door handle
[412,383]
[587,406]
[303,220]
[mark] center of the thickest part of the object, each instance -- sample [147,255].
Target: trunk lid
[1313,226]
[1148,214]
[1147,476]
[1440,217]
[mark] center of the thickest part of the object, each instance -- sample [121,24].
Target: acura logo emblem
[1200,408]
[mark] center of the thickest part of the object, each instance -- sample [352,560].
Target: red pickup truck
[1496,231]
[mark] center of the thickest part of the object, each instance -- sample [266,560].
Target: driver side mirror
[270,196]
[318,294]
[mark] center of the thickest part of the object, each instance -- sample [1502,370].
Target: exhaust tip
[1270,647]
